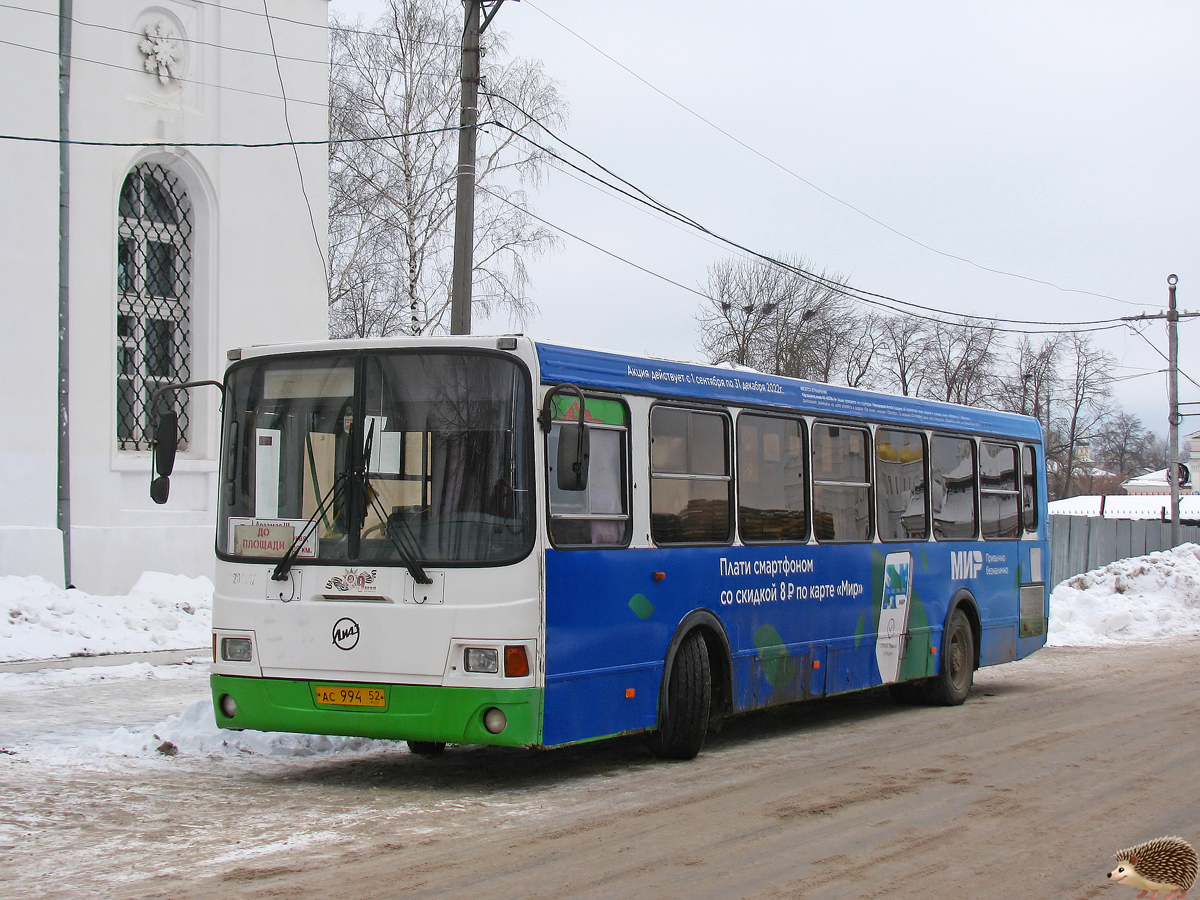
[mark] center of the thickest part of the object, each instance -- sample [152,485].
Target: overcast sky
[1053,140]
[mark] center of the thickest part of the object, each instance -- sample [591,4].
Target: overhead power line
[640,197]
[815,186]
[180,38]
[443,73]
[323,142]
[656,204]
[635,194]
[581,240]
[279,18]
[287,121]
[1163,355]
[871,298]
[109,65]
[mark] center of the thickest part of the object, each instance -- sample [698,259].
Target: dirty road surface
[1051,765]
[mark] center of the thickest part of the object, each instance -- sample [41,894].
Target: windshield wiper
[407,557]
[280,573]
[360,478]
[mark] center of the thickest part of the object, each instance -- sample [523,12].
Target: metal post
[1173,417]
[64,281]
[464,212]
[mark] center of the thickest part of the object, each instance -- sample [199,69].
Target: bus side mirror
[574,453]
[166,443]
[160,489]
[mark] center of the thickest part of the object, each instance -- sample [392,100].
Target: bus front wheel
[683,718]
[957,671]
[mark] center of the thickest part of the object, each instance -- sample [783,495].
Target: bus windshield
[393,457]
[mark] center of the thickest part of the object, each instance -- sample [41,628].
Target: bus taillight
[516,662]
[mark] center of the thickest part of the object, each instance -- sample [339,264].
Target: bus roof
[631,374]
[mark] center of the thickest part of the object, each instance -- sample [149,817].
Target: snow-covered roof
[1158,476]
[1137,506]
[1156,483]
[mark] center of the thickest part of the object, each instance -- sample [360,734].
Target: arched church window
[154,269]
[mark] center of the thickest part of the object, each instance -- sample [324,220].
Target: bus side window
[952,487]
[690,481]
[1029,490]
[841,483]
[900,485]
[771,479]
[599,514]
[999,500]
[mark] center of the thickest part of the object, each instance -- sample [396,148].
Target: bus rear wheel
[426,748]
[683,718]
[953,681]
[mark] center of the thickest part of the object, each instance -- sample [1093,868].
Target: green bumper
[412,712]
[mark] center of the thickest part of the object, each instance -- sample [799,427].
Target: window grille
[154,267]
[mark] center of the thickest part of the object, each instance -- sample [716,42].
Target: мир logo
[965,564]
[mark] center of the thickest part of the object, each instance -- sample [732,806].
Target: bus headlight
[228,706]
[494,720]
[482,659]
[236,649]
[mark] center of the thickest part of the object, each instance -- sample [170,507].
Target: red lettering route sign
[270,537]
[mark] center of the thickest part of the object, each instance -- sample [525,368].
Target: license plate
[345,695]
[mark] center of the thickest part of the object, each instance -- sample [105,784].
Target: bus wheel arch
[720,657]
[696,686]
[955,673]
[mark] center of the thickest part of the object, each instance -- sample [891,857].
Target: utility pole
[1172,315]
[1173,417]
[464,210]
[63,518]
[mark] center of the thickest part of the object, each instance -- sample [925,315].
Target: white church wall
[257,274]
[30,542]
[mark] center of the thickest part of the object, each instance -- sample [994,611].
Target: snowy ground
[1149,598]
[1145,598]
[96,762]
[162,612]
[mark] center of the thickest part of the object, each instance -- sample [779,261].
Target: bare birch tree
[863,343]
[960,360]
[903,363]
[773,318]
[1087,396]
[394,96]
[1031,378]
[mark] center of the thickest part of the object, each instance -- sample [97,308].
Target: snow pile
[194,732]
[1144,598]
[162,612]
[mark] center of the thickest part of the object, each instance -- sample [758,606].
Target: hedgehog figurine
[1163,864]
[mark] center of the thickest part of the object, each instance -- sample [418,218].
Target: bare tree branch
[773,319]
[392,202]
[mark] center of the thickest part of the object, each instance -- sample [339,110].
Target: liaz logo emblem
[360,581]
[965,564]
[345,634]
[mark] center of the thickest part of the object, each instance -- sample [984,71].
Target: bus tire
[683,718]
[426,748]
[953,681]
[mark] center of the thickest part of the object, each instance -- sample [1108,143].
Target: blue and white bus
[492,540]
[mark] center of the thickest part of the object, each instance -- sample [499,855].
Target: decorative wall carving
[163,51]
